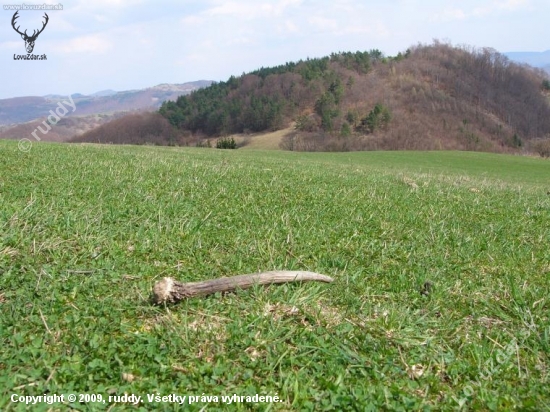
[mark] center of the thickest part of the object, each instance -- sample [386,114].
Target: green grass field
[441,263]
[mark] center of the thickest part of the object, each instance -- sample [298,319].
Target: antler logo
[29,40]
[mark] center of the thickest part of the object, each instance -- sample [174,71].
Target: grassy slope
[263,141]
[87,230]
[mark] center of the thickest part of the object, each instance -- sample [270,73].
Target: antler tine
[15,16]
[44,24]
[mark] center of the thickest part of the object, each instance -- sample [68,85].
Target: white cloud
[12,45]
[193,20]
[288,27]
[86,44]
[191,58]
[109,4]
[239,10]
[376,29]
[501,6]
[248,9]
[512,4]
[481,9]
[449,14]
[323,23]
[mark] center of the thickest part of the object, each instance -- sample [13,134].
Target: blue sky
[132,44]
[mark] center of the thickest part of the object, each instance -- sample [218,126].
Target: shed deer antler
[169,290]
[29,40]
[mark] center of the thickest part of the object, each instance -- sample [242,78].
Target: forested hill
[431,97]
[269,98]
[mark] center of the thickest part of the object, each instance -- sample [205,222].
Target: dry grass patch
[262,141]
[9,252]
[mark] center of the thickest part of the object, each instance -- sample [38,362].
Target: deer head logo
[29,40]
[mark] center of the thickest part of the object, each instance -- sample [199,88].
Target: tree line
[269,98]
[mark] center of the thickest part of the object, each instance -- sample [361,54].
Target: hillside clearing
[440,260]
[263,141]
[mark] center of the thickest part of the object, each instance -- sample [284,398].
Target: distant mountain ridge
[108,92]
[18,110]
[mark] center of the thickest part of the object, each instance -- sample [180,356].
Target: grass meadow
[441,263]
